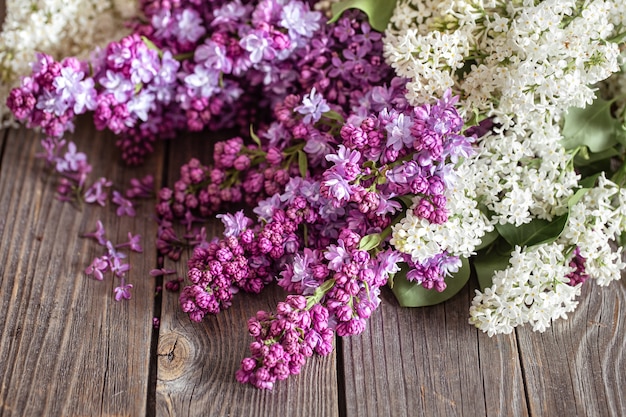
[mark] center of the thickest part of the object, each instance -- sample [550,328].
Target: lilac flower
[98,235]
[258,44]
[141,104]
[112,253]
[97,192]
[118,267]
[98,267]
[125,207]
[312,107]
[161,271]
[265,208]
[235,224]
[189,26]
[118,85]
[213,55]
[123,291]
[230,14]
[71,88]
[399,131]
[134,243]
[336,187]
[346,162]
[337,255]
[72,161]
[203,81]
[144,66]
[299,20]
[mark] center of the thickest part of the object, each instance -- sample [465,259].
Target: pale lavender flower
[338,188]
[312,107]
[230,14]
[399,131]
[258,44]
[190,26]
[203,81]
[141,104]
[134,243]
[265,208]
[337,255]
[72,161]
[213,55]
[234,223]
[144,66]
[299,20]
[118,85]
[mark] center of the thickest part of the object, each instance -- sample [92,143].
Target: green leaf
[593,127]
[410,294]
[578,195]
[486,264]
[537,232]
[151,45]
[254,137]
[378,11]
[583,157]
[589,182]
[319,293]
[333,115]
[406,200]
[303,163]
[369,242]
[488,239]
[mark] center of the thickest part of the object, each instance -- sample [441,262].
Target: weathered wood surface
[66,346]
[68,349]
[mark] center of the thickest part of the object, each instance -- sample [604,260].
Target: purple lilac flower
[122,292]
[125,206]
[97,192]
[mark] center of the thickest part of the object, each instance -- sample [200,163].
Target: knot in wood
[174,354]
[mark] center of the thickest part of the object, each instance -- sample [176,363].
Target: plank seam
[158,300]
[341,382]
[524,376]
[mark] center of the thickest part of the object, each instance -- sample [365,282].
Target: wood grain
[578,366]
[66,347]
[429,361]
[197,361]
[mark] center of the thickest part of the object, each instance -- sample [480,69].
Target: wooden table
[67,348]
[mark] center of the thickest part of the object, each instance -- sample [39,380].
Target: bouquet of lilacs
[548,173]
[357,177]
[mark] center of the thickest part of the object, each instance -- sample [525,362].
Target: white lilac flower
[513,60]
[533,290]
[59,27]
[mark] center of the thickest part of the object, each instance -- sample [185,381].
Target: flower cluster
[326,231]
[61,28]
[510,61]
[525,177]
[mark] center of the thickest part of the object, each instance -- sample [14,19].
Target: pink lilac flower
[125,206]
[122,292]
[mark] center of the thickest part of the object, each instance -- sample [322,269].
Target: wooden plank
[66,346]
[577,367]
[197,361]
[430,361]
